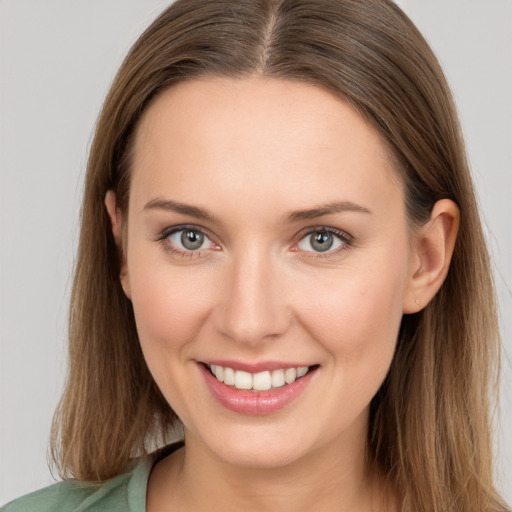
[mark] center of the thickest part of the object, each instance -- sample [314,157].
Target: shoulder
[63,495]
[125,492]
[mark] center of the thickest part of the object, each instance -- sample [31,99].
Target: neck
[331,477]
[293,487]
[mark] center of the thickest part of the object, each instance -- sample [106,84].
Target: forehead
[256,137]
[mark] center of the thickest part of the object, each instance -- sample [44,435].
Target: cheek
[170,307]
[356,317]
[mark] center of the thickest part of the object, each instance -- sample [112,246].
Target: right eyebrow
[177,207]
[325,209]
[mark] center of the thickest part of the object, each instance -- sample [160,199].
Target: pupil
[321,241]
[192,240]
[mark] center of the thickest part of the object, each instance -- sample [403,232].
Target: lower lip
[255,402]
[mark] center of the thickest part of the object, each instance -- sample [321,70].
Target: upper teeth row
[261,381]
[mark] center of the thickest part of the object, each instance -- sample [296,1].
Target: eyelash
[172,249]
[344,238]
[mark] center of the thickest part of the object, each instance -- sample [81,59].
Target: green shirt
[123,493]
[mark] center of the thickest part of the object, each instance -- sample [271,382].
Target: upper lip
[253,367]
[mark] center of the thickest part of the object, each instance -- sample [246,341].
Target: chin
[256,448]
[261,457]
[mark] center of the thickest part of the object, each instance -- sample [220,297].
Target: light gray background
[57,58]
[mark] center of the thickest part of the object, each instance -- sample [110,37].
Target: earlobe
[432,254]
[116,222]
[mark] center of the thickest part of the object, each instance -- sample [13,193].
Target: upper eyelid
[164,233]
[315,229]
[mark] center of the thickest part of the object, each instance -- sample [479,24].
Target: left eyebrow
[183,208]
[325,209]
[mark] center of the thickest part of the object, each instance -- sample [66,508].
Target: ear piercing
[417,302]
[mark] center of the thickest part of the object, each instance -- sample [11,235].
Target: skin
[249,152]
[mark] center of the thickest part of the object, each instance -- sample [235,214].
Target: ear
[117,230]
[433,248]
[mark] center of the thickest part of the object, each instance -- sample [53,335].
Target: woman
[280,246]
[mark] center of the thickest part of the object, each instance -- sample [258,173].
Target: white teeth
[290,375]
[262,381]
[278,378]
[229,376]
[219,373]
[243,380]
[301,371]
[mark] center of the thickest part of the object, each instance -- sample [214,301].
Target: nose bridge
[252,308]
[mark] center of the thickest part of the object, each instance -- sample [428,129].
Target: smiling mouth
[261,381]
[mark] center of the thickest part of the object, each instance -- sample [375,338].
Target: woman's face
[266,232]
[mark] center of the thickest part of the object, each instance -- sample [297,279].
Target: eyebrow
[325,209]
[185,209]
[289,218]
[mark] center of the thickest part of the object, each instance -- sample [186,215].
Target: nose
[252,307]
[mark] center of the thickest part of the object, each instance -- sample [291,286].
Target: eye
[187,239]
[324,241]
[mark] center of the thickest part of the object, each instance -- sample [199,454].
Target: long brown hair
[429,423]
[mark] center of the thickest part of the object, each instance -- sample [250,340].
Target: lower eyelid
[187,255]
[184,254]
[312,255]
